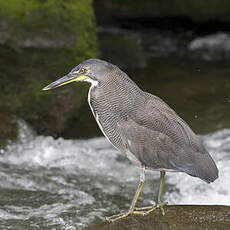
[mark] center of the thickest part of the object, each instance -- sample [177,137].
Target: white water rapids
[72,184]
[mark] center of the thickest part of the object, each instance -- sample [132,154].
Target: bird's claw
[150,209]
[137,211]
[118,216]
[143,208]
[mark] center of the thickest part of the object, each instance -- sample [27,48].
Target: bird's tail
[205,168]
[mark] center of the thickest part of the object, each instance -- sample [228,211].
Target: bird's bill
[65,80]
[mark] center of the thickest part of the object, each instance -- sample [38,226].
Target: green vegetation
[50,23]
[41,41]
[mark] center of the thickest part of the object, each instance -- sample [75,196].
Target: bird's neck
[113,97]
[110,105]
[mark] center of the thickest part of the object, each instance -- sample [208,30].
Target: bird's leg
[135,198]
[160,204]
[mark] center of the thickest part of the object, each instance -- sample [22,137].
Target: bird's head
[94,71]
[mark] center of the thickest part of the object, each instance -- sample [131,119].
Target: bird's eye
[82,71]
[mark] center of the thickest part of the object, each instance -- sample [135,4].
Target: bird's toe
[146,210]
[118,216]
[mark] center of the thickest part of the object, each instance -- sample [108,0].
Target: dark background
[178,50]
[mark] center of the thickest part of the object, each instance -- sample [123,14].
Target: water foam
[189,190]
[91,178]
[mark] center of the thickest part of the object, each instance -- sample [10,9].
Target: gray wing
[158,116]
[160,139]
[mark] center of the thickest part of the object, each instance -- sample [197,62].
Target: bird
[141,126]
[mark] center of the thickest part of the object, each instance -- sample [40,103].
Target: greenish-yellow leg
[162,180]
[132,207]
[145,210]
[160,204]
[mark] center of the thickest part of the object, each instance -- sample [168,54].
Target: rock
[8,128]
[47,23]
[203,10]
[177,217]
[112,40]
[39,42]
[211,47]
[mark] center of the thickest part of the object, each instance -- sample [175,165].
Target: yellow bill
[65,80]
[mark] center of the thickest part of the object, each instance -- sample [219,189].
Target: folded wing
[161,140]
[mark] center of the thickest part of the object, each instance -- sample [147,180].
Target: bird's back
[144,126]
[161,140]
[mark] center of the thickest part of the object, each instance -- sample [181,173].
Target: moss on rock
[47,23]
[41,40]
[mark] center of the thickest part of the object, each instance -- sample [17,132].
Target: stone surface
[177,217]
[122,47]
[198,10]
[8,127]
[39,42]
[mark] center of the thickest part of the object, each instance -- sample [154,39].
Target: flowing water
[74,184]
[48,183]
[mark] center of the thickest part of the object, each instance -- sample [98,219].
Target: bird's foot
[118,216]
[146,210]
[160,206]
[137,211]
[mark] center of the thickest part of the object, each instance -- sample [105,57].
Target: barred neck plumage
[111,101]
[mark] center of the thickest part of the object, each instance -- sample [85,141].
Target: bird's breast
[107,115]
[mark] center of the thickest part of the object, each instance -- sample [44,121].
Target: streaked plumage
[141,125]
[144,125]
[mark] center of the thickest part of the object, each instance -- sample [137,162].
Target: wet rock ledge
[177,217]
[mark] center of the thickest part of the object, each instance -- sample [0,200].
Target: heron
[141,126]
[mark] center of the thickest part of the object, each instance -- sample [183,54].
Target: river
[49,183]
